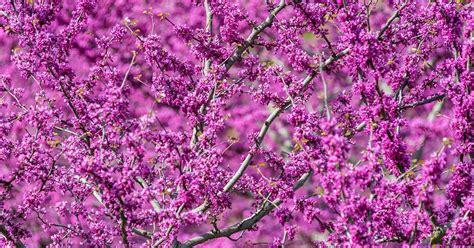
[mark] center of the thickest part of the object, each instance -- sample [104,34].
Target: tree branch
[390,21]
[422,102]
[263,131]
[207,66]
[4,232]
[237,55]
[123,229]
[273,116]
[258,142]
[246,223]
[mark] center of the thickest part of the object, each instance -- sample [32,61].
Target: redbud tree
[129,123]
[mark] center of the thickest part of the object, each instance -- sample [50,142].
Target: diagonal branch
[422,102]
[246,223]
[266,125]
[237,55]
[390,21]
[273,116]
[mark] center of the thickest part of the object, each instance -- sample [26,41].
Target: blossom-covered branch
[282,123]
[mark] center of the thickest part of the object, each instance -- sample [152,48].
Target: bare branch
[209,16]
[422,102]
[390,21]
[134,55]
[237,55]
[258,142]
[143,233]
[325,95]
[123,229]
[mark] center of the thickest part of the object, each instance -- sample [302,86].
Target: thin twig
[134,55]
[325,93]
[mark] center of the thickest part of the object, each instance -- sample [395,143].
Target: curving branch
[246,223]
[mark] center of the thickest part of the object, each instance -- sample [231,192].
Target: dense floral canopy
[236,123]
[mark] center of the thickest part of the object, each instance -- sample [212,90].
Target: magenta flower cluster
[278,123]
